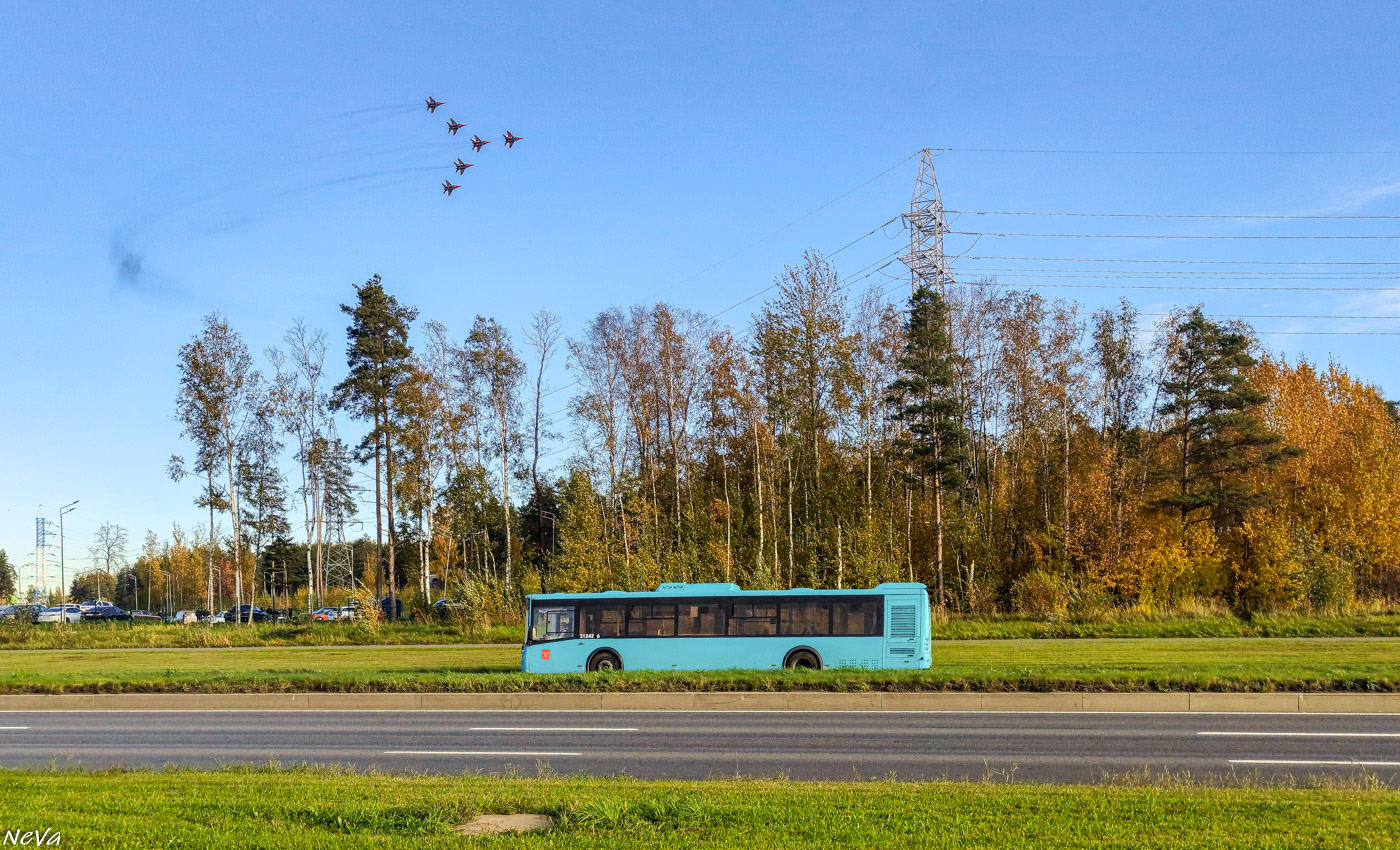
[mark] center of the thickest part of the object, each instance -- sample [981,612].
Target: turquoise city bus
[720,627]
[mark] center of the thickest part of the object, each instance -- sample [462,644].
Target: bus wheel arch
[604,660]
[803,657]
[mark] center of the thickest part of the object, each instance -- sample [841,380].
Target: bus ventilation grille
[902,628]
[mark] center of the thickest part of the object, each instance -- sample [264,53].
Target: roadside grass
[1130,664]
[295,808]
[155,636]
[1202,622]
[1209,623]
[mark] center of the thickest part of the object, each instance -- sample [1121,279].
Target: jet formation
[448,187]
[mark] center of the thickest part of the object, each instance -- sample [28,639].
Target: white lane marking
[14,727]
[1307,734]
[471,753]
[1340,762]
[552,729]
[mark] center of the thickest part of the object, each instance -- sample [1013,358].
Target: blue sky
[256,159]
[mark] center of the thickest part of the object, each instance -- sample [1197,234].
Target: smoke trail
[398,107]
[270,205]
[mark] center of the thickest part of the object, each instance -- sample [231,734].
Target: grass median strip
[1116,624]
[305,808]
[1209,664]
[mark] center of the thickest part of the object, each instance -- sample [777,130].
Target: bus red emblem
[544,654]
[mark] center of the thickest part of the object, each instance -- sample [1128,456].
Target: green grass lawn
[316,808]
[149,636]
[1218,664]
[958,627]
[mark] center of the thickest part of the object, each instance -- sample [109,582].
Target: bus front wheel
[604,661]
[802,659]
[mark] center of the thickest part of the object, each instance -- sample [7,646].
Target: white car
[93,604]
[64,614]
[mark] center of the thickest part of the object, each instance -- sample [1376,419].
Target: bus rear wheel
[802,659]
[604,661]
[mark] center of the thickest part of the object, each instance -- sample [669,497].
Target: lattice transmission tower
[926,261]
[340,557]
[44,530]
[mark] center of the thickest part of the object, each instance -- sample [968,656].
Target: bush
[1090,603]
[1040,595]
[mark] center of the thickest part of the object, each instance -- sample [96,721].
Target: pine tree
[378,355]
[924,398]
[1220,439]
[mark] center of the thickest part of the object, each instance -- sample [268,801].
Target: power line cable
[1189,288]
[1181,215]
[1192,262]
[1166,235]
[878,229]
[1129,274]
[1165,152]
[793,222]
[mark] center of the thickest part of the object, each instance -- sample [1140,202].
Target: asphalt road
[1033,746]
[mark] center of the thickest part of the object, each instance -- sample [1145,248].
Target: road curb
[1066,701]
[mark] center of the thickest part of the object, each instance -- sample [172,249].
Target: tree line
[1011,451]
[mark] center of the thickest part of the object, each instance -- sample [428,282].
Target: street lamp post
[62,573]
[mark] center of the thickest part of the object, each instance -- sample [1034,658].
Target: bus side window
[651,620]
[700,619]
[857,617]
[603,621]
[805,617]
[753,619]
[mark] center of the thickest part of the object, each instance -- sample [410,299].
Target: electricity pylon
[926,261]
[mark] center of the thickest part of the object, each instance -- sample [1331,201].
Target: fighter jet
[461,166]
[453,126]
[477,142]
[448,186]
[433,104]
[511,139]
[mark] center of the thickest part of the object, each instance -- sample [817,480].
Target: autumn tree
[499,371]
[216,381]
[9,578]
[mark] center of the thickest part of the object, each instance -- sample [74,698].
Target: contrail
[267,206]
[398,107]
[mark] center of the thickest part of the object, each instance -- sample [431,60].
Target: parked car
[212,619]
[91,604]
[104,612]
[323,615]
[32,611]
[247,613]
[347,612]
[145,617]
[446,607]
[61,614]
[187,618]
[22,613]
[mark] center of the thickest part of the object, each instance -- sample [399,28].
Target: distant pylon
[340,558]
[926,261]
